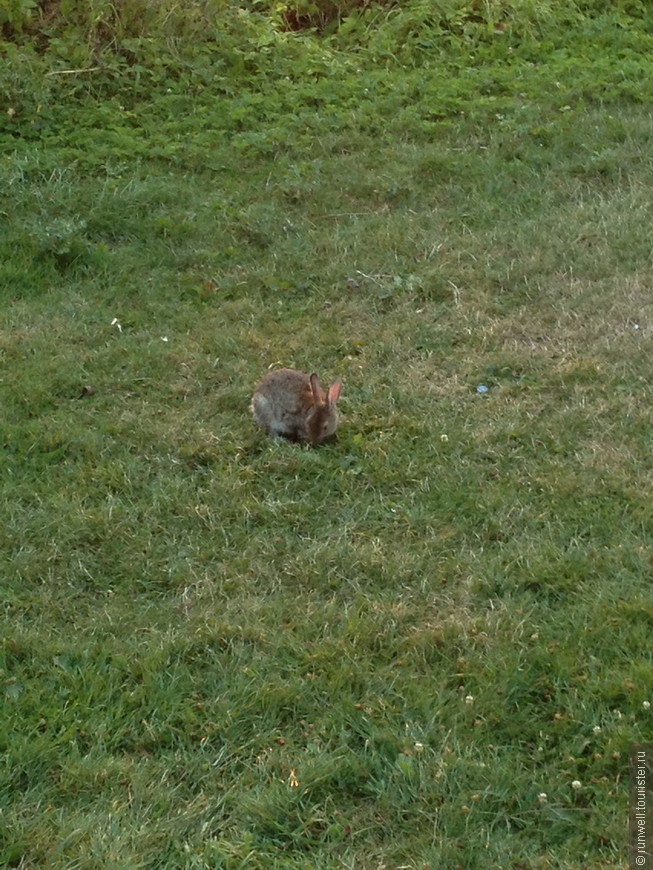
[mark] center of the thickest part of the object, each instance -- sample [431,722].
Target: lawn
[426,645]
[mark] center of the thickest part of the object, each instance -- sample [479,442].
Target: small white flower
[596,729]
[444,438]
[646,705]
[164,338]
[469,699]
[419,747]
[542,797]
[576,784]
[115,322]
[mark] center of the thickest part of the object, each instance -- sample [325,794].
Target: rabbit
[292,405]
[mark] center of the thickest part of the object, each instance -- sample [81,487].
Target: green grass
[427,625]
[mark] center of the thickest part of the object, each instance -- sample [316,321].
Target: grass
[225,651]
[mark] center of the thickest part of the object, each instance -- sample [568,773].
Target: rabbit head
[322,416]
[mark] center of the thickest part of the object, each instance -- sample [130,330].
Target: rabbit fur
[291,404]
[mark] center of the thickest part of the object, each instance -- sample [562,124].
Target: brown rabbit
[292,404]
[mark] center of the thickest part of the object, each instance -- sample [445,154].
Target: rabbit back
[281,402]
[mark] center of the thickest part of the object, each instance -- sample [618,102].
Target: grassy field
[427,645]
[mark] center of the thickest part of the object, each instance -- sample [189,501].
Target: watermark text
[641,806]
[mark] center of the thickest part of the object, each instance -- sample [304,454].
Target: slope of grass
[399,650]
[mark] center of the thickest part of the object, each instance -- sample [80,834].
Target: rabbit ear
[315,387]
[334,392]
